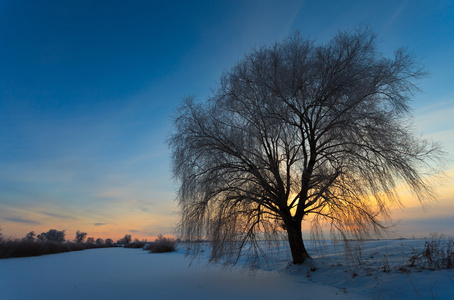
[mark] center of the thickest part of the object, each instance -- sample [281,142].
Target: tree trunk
[295,239]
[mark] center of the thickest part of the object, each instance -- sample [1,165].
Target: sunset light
[226,149]
[87,91]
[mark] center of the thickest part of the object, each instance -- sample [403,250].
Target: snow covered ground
[118,273]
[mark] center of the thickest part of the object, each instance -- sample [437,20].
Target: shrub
[162,245]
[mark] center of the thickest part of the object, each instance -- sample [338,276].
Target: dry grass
[22,248]
[438,254]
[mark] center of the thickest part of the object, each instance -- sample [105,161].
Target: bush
[162,245]
[438,253]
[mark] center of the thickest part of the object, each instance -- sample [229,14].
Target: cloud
[133,230]
[99,224]
[57,215]
[20,220]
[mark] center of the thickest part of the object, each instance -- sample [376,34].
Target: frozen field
[118,273]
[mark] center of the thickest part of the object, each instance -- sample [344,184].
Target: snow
[118,273]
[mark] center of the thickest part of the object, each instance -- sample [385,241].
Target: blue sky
[87,89]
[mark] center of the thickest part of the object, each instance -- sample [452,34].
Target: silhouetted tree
[90,240]
[99,241]
[300,131]
[125,240]
[80,236]
[41,237]
[30,236]
[54,235]
[108,242]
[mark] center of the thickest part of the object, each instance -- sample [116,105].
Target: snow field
[118,273]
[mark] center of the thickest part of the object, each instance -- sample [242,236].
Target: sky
[88,88]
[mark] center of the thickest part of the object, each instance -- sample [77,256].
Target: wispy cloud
[59,215]
[395,16]
[99,224]
[21,220]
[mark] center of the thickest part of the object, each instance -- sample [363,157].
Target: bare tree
[300,131]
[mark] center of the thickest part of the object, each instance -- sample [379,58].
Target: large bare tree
[297,131]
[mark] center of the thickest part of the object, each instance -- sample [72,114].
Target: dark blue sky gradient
[87,88]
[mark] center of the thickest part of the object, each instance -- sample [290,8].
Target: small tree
[90,240]
[125,240]
[80,236]
[99,241]
[108,242]
[300,131]
[30,236]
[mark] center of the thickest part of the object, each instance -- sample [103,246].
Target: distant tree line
[50,242]
[54,241]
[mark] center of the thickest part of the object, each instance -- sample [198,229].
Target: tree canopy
[298,131]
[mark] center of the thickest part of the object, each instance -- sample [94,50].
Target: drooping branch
[298,129]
